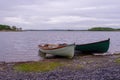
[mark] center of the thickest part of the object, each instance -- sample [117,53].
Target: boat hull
[67,51]
[96,47]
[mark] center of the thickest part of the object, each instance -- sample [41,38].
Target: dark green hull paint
[96,47]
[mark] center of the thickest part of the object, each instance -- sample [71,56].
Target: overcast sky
[60,14]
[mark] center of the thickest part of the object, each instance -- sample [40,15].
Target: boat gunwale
[94,42]
[58,47]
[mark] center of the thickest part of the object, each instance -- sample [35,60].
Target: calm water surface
[23,46]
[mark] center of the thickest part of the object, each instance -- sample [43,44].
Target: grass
[37,66]
[47,65]
[117,60]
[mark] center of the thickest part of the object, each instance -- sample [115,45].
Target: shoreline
[11,31]
[49,57]
[58,58]
[87,67]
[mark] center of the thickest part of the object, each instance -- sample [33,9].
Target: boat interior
[52,46]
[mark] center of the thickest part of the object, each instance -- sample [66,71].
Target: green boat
[96,47]
[59,50]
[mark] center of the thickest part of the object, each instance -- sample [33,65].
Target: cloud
[68,19]
[34,14]
[18,20]
[95,7]
[112,24]
[73,19]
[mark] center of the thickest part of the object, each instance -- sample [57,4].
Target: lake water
[23,46]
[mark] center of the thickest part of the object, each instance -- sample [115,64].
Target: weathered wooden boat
[59,50]
[96,47]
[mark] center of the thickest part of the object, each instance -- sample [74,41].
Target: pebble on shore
[94,68]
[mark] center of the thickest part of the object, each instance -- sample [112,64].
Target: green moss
[37,66]
[117,60]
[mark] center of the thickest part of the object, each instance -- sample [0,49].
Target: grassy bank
[37,66]
[47,65]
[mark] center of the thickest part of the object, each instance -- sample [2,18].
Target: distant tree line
[9,28]
[103,29]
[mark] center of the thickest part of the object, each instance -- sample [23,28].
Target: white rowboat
[66,50]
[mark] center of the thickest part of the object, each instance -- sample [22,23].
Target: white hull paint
[67,51]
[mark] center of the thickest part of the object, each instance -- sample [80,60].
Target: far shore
[59,30]
[9,31]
